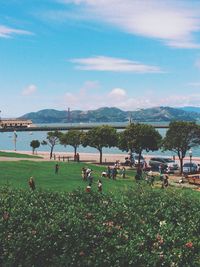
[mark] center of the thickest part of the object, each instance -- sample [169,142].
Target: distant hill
[191,109]
[112,114]
[164,114]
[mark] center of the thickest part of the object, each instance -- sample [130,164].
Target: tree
[53,139]
[99,137]
[139,137]
[181,137]
[72,138]
[34,144]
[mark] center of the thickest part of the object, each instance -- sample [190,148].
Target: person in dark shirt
[56,168]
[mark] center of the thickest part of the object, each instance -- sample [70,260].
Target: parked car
[136,160]
[133,160]
[167,164]
[171,164]
[190,167]
[154,163]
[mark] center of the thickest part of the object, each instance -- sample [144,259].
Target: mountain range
[112,114]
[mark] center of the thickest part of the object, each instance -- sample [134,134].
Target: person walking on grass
[165,181]
[56,168]
[99,185]
[31,183]
[83,174]
[108,172]
[123,173]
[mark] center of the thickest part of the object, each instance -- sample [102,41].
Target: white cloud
[176,100]
[117,93]
[102,63]
[29,90]
[174,22]
[118,97]
[7,32]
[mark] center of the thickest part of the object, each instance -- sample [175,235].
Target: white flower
[162,223]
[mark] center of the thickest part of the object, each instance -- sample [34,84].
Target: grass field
[17,174]
[16,155]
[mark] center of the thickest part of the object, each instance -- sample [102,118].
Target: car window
[158,159]
[137,157]
[188,165]
[169,160]
[161,160]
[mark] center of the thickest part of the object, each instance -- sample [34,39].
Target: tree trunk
[75,150]
[51,152]
[139,158]
[181,165]
[100,160]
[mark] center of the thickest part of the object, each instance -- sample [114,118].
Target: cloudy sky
[86,54]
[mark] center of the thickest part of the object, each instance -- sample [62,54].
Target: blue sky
[86,54]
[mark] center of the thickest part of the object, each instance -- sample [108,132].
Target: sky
[87,54]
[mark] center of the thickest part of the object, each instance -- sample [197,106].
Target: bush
[141,228]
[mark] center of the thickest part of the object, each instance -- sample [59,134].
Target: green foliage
[72,138]
[139,137]
[180,137]
[53,138]
[141,228]
[99,137]
[34,144]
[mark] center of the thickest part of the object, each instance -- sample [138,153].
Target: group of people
[87,175]
[149,177]
[112,172]
[99,186]
[77,157]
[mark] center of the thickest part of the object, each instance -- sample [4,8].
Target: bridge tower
[68,115]
[130,118]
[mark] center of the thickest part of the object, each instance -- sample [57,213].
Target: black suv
[166,164]
[154,163]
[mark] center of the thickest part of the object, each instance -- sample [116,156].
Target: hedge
[142,227]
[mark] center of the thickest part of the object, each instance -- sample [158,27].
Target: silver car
[190,167]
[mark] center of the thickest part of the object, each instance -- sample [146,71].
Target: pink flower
[189,245]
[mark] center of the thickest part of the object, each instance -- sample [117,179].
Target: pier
[80,127]
[15,123]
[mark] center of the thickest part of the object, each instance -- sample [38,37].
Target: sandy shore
[86,157]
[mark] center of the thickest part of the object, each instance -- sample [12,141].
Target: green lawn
[17,174]
[16,155]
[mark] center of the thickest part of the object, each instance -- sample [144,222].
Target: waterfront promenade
[85,157]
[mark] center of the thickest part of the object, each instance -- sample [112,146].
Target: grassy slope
[69,178]
[16,155]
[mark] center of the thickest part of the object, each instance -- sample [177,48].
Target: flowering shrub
[140,228]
